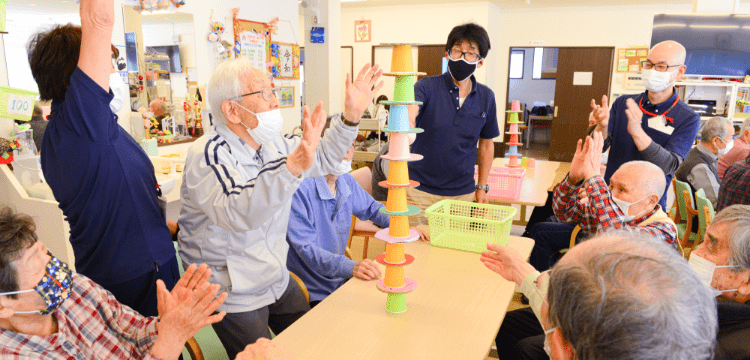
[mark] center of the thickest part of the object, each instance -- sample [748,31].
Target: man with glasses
[237,190]
[655,126]
[621,295]
[457,114]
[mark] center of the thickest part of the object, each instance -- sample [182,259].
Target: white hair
[715,126]
[738,217]
[227,82]
[745,126]
[652,177]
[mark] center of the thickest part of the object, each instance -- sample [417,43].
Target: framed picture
[286,96]
[362,30]
[283,60]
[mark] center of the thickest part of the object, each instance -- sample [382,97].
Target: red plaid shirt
[735,186]
[91,325]
[600,213]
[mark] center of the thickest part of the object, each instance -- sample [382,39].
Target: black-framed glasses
[456,54]
[648,65]
[265,92]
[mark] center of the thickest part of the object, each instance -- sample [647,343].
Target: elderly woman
[48,311]
[104,182]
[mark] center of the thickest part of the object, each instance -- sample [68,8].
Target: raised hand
[360,93]
[577,173]
[194,277]
[303,156]
[593,157]
[635,117]
[600,114]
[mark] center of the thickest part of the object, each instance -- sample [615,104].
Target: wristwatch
[486,188]
[347,122]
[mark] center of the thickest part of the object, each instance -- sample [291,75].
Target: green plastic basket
[467,226]
[26,103]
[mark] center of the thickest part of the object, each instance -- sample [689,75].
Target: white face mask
[725,150]
[705,270]
[656,81]
[120,90]
[343,167]
[269,125]
[625,206]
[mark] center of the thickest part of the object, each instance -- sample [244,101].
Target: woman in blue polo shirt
[104,182]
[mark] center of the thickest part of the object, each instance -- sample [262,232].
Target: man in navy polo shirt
[457,114]
[655,126]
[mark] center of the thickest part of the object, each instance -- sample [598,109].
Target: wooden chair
[301,285]
[687,210]
[674,212]
[365,229]
[194,349]
[705,215]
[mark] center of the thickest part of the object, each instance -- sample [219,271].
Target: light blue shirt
[319,230]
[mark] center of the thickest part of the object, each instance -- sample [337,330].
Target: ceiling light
[715,26]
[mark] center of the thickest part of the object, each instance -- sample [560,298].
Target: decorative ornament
[217,28]
[272,27]
[178,3]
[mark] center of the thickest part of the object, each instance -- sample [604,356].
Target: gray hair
[739,234]
[227,82]
[631,296]
[715,126]
[161,105]
[745,126]
[37,110]
[652,177]
[680,52]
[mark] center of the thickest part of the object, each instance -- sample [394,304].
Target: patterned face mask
[54,287]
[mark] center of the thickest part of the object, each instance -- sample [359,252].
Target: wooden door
[573,98]
[431,59]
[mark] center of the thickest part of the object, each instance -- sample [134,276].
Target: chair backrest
[705,213]
[301,285]
[680,187]
[363,177]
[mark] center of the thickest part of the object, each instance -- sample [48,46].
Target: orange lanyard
[669,119]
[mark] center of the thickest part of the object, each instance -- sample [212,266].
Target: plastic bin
[469,226]
[505,183]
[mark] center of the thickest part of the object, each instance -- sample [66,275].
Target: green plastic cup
[404,88]
[524,162]
[396,303]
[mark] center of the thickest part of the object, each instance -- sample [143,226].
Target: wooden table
[454,313]
[533,118]
[536,183]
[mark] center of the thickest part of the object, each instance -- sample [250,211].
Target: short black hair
[53,57]
[470,32]
[17,233]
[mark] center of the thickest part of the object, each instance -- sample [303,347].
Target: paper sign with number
[19,105]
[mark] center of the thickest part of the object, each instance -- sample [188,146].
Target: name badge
[659,124]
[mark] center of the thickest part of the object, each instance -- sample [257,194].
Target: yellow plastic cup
[394,276]
[399,227]
[401,60]
[396,200]
[394,253]
[398,173]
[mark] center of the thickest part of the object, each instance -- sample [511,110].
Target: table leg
[522,221]
[528,133]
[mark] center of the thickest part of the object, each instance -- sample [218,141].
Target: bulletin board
[283,60]
[252,31]
[629,59]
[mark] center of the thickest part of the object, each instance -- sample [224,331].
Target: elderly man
[49,312]
[655,126]
[38,126]
[630,202]
[237,192]
[738,152]
[723,262]
[735,186]
[699,169]
[621,295]
[159,109]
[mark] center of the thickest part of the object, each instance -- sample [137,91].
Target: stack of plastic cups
[513,144]
[395,284]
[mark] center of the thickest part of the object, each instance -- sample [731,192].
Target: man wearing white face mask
[104,182]
[621,295]
[319,224]
[655,126]
[700,166]
[722,261]
[237,193]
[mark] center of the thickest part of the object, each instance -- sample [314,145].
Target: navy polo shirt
[105,185]
[686,123]
[451,133]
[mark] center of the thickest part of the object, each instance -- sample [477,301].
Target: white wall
[527,90]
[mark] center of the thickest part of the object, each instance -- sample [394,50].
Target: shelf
[365,156]
[705,83]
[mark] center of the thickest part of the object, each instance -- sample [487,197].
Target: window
[516,64]
[537,66]
[545,64]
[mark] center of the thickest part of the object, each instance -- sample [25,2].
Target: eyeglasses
[265,92]
[456,54]
[648,65]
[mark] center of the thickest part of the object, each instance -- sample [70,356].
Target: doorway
[555,85]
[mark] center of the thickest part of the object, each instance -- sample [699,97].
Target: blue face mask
[54,287]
